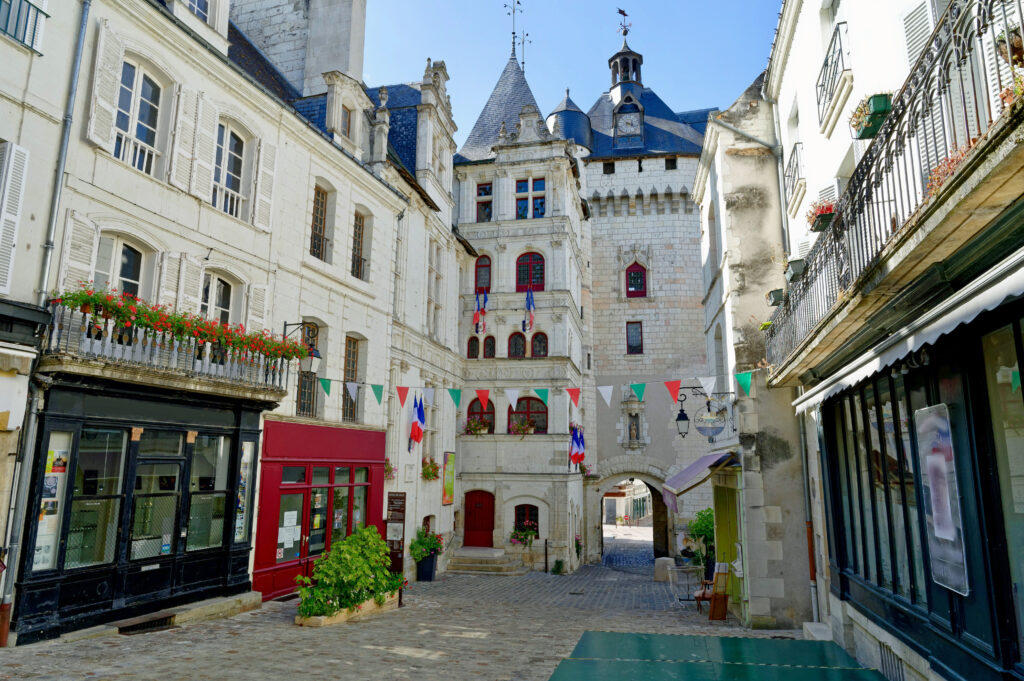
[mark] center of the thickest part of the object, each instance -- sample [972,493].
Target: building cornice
[781,45]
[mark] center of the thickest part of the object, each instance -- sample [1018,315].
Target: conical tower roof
[510,95]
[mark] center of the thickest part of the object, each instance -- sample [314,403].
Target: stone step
[477,567]
[514,571]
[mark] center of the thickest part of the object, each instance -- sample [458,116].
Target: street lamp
[311,362]
[682,420]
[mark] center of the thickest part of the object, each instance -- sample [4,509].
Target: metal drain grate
[891,666]
[145,626]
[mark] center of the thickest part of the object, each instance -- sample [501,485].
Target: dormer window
[530,198]
[201,8]
[484,193]
[346,121]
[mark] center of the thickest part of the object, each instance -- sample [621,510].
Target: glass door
[319,499]
[155,508]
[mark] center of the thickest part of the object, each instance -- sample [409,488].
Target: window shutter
[220,16]
[79,260]
[106,80]
[13,169]
[207,118]
[263,194]
[37,39]
[184,139]
[170,275]
[917,26]
[190,284]
[256,312]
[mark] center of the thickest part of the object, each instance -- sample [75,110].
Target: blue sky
[697,54]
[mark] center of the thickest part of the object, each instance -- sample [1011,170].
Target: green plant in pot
[424,549]
[702,528]
[866,120]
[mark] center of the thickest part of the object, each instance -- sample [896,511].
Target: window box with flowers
[524,534]
[522,427]
[1010,46]
[794,269]
[820,215]
[476,426]
[424,549]
[430,469]
[866,120]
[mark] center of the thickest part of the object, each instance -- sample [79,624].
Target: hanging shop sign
[710,421]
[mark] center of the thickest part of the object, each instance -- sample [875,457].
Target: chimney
[336,37]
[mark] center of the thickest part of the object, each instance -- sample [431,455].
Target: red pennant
[574,393]
[403,392]
[482,395]
[673,389]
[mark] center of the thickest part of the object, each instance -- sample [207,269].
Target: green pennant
[542,393]
[1015,381]
[638,390]
[378,391]
[744,380]
[456,394]
[325,383]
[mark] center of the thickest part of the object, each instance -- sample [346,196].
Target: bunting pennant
[606,393]
[482,395]
[707,384]
[542,393]
[673,389]
[353,389]
[574,394]
[403,393]
[744,380]
[456,394]
[428,395]
[325,383]
[513,396]
[639,389]
[378,391]
[1015,382]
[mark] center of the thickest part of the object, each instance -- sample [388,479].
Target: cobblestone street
[458,628]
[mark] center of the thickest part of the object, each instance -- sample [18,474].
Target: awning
[987,292]
[681,481]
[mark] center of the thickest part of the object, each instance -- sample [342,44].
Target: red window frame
[473,348]
[483,265]
[476,410]
[520,337]
[529,272]
[489,347]
[639,292]
[640,326]
[527,512]
[530,408]
[534,341]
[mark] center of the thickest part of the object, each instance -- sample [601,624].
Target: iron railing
[91,336]
[360,268]
[794,170]
[318,246]
[832,69]
[21,20]
[958,86]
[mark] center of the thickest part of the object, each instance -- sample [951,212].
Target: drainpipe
[811,565]
[62,158]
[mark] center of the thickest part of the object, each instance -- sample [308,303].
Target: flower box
[822,221]
[795,269]
[774,297]
[1014,46]
[869,115]
[363,611]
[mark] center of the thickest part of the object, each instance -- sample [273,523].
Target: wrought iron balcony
[21,20]
[360,267]
[947,112]
[74,337]
[831,70]
[794,170]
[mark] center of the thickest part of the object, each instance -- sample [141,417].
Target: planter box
[821,222]
[879,107]
[426,568]
[368,609]
[774,297]
[1015,47]
[795,269]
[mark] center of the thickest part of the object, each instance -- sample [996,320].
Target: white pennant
[428,395]
[513,396]
[606,393]
[708,384]
[353,389]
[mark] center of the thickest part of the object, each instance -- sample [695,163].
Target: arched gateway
[611,473]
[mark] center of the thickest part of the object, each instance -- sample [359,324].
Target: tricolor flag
[482,309]
[416,423]
[476,314]
[574,448]
[530,307]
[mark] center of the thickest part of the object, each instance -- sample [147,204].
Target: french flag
[574,448]
[530,307]
[476,313]
[483,314]
[417,422]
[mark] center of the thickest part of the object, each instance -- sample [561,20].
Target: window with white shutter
[264,189]
[23,20]
[106,86]
[183,146]
[256,314]
[190,284]
[170,275]
[13,170]
[205,149]
[228,165]
[78,258]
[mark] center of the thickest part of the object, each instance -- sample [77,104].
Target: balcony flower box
[774,297]
[820,215]
[869,115]
[795,269]
[1011,47]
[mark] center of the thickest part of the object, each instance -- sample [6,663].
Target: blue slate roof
[697,119]
[510,95]
[402,102]
[664,131]
[313,109]
[255,63]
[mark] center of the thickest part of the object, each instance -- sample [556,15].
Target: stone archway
[611,473]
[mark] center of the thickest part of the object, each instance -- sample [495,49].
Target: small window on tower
[609,168]
[670,163]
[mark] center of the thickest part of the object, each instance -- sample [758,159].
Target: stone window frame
[481,266]
[473,348]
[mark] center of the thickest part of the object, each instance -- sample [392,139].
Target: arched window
[530,409]
[517,346]
[477,411]
[473,348]
[138,113]
[489,347]
[527,513]
[120,265]
[227,170]
[218,293]
[636,281]
[483,275]
[530,272]
[539,345]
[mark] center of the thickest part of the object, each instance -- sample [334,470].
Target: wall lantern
[682,420]
[311,362]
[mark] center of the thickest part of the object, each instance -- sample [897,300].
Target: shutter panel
[220,23]
[79,257]
[263,193]
[106,81]
[13,169]
[918,27]
[207,119]
[256,312]
[170,276]
[37,40]
[190,284]
[184,139]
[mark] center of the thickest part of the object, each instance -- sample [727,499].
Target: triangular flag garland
[574,394]
[378,391]
[606,393]
[456,394]
[483,396]
[513,396]
[403,393]
[353,389]
[542,393]
[1015,381]
[673,389]
[325,383]
[639,389]
[428,395]
[707,383]
[744,380]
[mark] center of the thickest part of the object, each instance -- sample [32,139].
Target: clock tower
[626,91]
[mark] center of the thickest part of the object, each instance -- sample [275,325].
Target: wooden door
[479,519]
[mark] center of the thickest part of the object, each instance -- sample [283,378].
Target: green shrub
[355,571]
[559,567]
[425,544]
[702,527]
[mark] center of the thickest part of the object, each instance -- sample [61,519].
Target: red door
[479,519]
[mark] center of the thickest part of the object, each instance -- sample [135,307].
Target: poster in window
[48,519]
[942,492]
[448,489]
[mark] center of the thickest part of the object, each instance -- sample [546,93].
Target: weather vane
[513,7]
[623,26]
[524,40]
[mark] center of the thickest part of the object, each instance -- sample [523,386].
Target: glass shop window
[155,509]
[243,511]
[211,459]
[96,497]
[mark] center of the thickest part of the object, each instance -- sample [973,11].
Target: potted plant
[702,528]
[775,296]
[945,169]
[1012,92]
[820,215]
[524,534]
[795,269]
[430,469]
[1009,45]
[866,120]
[522,427]
[476,426]
[424,549]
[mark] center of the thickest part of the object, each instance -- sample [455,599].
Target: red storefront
[318,484]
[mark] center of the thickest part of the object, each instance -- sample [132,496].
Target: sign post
[395,533]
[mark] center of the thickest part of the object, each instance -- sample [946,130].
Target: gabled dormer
[347,104]
[207,18]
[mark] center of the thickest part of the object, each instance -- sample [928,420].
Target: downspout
[811,563]
[62,158]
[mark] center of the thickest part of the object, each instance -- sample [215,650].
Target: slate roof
[255,63]
[510,95]
[314,110]
[566,104]
[664,131]
[696,119]
[402,102]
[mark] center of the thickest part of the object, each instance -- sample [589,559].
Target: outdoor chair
[714,592]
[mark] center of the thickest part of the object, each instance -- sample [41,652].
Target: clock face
[627,124]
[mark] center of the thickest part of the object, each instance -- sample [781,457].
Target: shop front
[318,484]
[141,499]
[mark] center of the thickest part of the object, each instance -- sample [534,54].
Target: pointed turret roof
[566,104]
[510,95]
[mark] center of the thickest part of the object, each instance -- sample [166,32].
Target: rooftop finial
[514,7]
[623,26]
[524,40]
